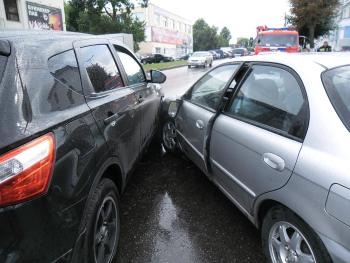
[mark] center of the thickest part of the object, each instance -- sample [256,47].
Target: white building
[342,34]
[33,14]
[166,33]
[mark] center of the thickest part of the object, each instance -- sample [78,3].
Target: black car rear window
[3,61]
[337,85]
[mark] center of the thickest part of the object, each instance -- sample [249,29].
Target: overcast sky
[240,17]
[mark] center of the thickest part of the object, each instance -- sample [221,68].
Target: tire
[280,222]
[169,140]
[103,223]
[189,66]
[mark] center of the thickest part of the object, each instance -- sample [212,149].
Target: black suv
[76,113]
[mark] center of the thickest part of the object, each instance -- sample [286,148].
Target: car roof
[35,46]
[326,60]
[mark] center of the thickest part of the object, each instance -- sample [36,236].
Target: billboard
[44,17]
[162,35]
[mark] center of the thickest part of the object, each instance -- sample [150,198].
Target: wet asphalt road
[172,213]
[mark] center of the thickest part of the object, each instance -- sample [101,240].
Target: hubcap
[287,244]
[106,228]
[169,135]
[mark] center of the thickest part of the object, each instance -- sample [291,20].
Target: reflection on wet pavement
[172,213]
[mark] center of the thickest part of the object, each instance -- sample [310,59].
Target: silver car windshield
[337,84]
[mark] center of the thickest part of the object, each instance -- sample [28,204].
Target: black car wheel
[169,136]
[103,223]
[286,239]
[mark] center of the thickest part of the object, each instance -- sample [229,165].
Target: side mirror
[157,76]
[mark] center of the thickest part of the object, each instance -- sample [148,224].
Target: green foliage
[243,42]
[206,37]
[313,18]
[105,17]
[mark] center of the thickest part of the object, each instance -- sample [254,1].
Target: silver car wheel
[287,244]
[169,135]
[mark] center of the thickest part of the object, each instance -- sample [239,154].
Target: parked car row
[272,132]
[77,112]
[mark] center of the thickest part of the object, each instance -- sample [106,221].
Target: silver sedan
[272,132]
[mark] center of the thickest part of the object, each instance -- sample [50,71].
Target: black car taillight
[25,172]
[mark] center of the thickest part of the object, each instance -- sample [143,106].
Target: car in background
[240,52]
[156,58]
[200,59]
[273,133]
[77,112]
[185,57]
[214,54]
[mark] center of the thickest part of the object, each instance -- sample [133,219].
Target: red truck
[276,40]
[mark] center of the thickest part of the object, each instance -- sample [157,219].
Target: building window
[11,10]
[346,12]
[347,32]
[157,19]
[157,50]
[177,26]
[171,23]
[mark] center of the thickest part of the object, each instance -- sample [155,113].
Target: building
[342,33]
[34,14]
[166,33]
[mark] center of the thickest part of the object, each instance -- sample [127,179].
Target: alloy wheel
[106,227]
[287,244]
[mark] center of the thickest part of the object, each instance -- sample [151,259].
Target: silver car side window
[208,91]
[271,96]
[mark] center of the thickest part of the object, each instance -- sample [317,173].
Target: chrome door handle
[200,124]
[274,161]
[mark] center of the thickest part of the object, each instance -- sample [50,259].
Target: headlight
[173,107]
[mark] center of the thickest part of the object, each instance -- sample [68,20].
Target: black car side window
[208,91]
[64,68]
[272,96]
[133,70]
[101,68]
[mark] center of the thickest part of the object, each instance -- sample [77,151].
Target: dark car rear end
[46,147]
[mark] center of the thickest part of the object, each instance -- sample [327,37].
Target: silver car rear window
[337,85]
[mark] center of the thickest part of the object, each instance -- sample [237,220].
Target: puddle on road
[172,242]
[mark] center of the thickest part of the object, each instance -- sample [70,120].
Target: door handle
[200,124]
[112,119]
[274,161]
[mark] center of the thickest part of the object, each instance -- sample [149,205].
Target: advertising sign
[162,35]
[44,17]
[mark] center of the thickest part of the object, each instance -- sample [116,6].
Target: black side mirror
[157,76]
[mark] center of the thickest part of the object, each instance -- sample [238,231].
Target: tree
[206,37]
[104,17]
[224,37]
[243,42]
[313,18]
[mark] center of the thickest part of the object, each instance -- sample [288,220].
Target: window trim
[88,88]
[189,91]
[333,97]
[118,48]
[259,124]
[78,66]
